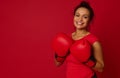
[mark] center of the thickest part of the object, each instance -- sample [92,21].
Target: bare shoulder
[96,44]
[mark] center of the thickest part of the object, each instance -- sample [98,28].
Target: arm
[97,49]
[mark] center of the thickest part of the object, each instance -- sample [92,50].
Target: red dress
[76,69]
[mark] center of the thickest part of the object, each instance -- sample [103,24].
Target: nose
[80,19]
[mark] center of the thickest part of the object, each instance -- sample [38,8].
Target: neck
[81,32]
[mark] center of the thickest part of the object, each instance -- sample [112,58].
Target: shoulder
[92,38]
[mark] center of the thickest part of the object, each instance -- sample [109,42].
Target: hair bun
[84,3]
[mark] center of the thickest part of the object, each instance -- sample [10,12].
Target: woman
[83,15]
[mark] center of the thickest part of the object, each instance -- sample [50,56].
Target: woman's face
[81,18]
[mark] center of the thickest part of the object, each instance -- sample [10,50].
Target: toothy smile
[79,23]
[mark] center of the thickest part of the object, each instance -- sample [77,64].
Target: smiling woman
[81,18]
[84,56]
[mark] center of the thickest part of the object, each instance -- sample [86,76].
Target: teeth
[79,23]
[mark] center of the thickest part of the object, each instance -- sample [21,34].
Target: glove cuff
[90,63]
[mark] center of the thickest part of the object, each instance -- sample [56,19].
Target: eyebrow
[83,14]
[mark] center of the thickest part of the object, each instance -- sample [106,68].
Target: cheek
[86,20]
[74,19]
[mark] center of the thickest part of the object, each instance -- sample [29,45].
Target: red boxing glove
[81,50]
[61,44]
[59,58]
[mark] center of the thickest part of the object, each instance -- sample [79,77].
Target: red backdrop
[28,26]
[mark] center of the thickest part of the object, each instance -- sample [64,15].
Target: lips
[79,23]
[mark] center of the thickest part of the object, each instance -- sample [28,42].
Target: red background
[28,26]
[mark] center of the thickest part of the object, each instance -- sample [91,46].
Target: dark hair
[86,5]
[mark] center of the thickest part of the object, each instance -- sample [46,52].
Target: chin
[80,27]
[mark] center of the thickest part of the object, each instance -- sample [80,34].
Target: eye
[77,15]
[85,17]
